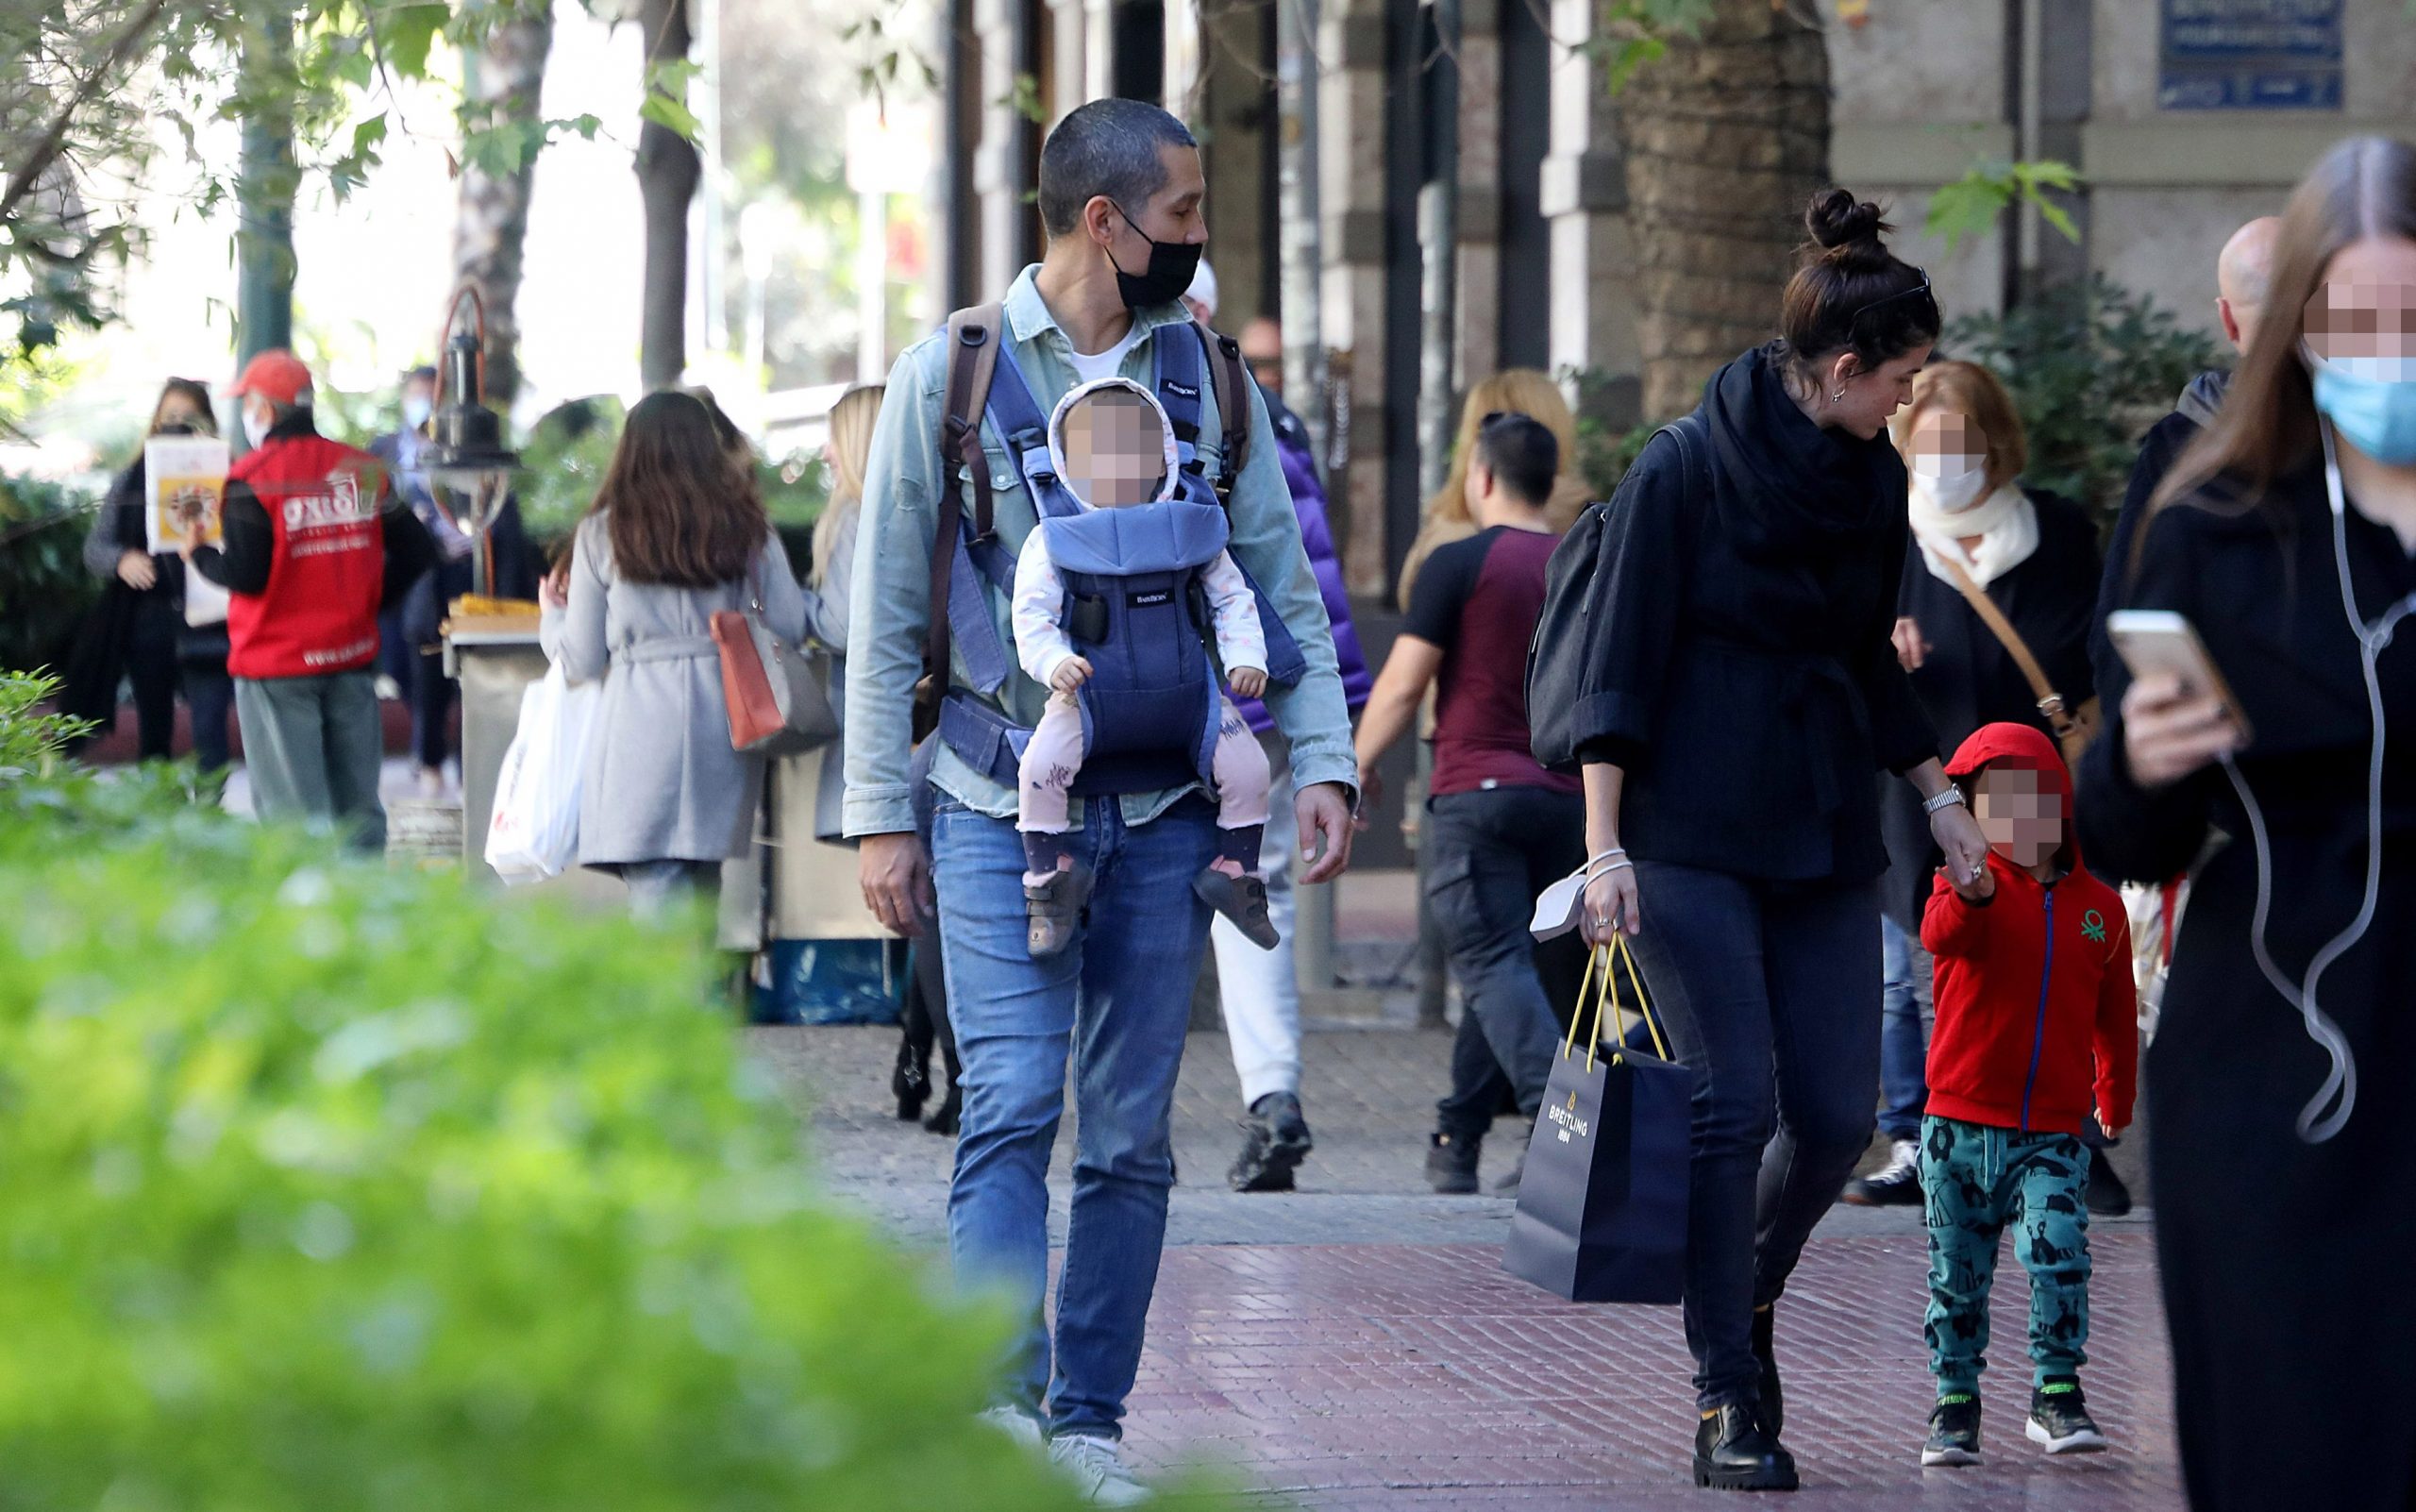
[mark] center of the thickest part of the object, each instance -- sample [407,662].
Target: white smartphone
[2158,640]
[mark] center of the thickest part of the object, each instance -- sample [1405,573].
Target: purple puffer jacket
[1308,501]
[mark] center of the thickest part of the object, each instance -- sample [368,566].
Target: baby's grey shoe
[1054,907]
[1242,900]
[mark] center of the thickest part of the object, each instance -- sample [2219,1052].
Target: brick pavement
[1356,1346]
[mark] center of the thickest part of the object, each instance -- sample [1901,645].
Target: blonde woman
[834,558]
[1525,391]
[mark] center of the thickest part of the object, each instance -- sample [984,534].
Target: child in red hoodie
[2036,1019]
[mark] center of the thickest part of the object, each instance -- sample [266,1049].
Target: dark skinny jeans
[1489,853]
[1771,992]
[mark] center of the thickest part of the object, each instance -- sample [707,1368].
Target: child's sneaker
[1953,1431]
[2059,1419]
[1242,900]
[1053,907]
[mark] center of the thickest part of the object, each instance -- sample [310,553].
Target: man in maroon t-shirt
[1500,828]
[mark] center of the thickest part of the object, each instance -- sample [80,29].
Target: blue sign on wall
[2249,55]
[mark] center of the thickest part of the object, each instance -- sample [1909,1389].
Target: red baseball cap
[276,375]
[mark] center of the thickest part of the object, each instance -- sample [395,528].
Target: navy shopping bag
[1601,1212]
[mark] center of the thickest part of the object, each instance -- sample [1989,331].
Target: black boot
[2106,1196]
[911,1081]
[1773,1400]
[1451,1163]
[1275,1139]
[945,1117]
[1734,1453]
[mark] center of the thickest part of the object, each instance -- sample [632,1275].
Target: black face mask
[1170,270]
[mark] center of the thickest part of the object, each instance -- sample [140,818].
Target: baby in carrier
[1098,639]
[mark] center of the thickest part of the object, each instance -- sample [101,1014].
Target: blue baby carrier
[1136,608]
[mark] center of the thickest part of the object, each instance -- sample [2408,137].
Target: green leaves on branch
[1970,206]
[666,97]
[1633,34]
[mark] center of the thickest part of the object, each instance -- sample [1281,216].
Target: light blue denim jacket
[892,586]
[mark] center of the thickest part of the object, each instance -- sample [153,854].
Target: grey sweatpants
[313,747]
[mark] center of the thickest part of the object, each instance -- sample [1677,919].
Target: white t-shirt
[1107,364]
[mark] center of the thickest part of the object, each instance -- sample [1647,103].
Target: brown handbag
[2075,728]
[779,703]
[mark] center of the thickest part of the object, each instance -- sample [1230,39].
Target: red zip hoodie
[2037,1014]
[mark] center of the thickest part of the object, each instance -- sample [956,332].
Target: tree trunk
[668,176]
[1726,138]
[264,184]
[501,82]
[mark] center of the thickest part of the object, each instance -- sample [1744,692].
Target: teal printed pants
[1976,1180]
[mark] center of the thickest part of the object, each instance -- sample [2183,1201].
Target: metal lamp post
[467,455]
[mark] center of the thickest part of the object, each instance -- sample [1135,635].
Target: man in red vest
[314,546]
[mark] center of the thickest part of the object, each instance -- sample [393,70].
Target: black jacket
[1968,679]
[2263,591]
[2163,443]
[1740,667]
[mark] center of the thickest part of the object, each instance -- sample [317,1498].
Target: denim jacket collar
[1028,314]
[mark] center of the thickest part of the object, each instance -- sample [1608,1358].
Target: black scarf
[1784,486]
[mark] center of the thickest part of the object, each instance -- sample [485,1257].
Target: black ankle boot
[911,1081]
[945,1119]
[1773,1400]
[1734,1453]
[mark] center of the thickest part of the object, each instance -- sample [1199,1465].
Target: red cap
[276,375]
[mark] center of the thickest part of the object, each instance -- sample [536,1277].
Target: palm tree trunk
[501,84]
[1726,137]
[668,173]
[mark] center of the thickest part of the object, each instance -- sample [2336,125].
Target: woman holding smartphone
[2286,536]
[1738,690]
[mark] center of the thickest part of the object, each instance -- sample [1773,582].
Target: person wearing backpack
[1716,654]
[959,477]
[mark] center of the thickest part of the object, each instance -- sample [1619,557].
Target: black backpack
[1562,650]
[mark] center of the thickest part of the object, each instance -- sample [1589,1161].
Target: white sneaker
[1017,1424]
[1097,1466]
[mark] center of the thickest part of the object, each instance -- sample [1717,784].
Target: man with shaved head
[2243,271]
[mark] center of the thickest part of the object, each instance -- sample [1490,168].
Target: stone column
[1352,166]
[1004,162]
[1480,292]
[1229,103]
[1069,73]
[1584,197]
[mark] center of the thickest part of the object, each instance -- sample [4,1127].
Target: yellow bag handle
[1604,1000]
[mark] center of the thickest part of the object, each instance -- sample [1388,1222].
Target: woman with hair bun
[1740,688]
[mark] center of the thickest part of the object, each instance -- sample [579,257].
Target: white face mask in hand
[1949,492]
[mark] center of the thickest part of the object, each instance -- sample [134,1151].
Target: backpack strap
[1231,382]
[1180,379]
[973,341]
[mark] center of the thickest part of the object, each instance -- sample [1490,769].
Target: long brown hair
[679,510]
[2365,185]
[194,392]
[851,423]
[1524,390]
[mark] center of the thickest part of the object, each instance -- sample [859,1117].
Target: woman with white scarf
[2033,555]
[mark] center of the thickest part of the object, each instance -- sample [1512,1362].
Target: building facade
[2185,117]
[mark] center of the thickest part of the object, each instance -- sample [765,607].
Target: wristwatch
[1949,797]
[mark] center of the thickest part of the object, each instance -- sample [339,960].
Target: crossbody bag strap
[2051,703]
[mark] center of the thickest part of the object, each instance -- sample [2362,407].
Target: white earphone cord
[2342,1082]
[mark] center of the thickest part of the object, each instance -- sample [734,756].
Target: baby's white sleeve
[1232,609]
[1039,598]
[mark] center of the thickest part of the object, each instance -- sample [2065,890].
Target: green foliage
[2090,365]
[1603,455]
[332,1186]
[1970,206]
[567,453]
[32,744]
[1633,34]
[44,587]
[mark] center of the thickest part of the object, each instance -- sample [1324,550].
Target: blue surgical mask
[2371,402]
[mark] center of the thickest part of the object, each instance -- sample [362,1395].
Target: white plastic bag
[533,833]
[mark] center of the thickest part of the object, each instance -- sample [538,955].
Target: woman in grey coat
[677,535]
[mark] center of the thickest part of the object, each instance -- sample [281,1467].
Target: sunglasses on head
[1920,289]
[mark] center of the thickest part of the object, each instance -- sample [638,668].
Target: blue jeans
[1120,998]
[1771,991]
[1904,1036]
